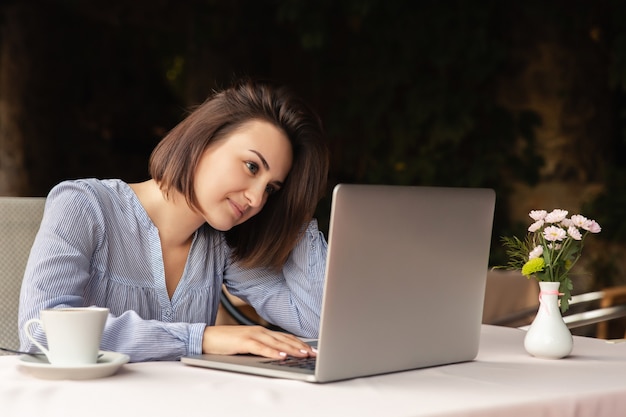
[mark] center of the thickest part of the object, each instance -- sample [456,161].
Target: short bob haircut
[266,239]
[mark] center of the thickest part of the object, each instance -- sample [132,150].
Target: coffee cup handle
[31,338]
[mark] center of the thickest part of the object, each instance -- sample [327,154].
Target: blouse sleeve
[58,275]
[292,298]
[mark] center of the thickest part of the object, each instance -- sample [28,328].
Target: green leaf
[566,288]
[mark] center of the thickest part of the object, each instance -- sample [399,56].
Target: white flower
[538,214]
[535,226]
[579,221]
[554,233]
[536,252]
[556,216]
[592,226]
[567,223]
[574,233]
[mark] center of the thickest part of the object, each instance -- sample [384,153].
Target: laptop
[405,282]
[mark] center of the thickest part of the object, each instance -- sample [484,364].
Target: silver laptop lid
[405,278]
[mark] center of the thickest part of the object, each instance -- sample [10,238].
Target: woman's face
[236,175]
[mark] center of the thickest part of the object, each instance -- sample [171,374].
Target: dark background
[439,92]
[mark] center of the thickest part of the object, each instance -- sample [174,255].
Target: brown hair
[266,239]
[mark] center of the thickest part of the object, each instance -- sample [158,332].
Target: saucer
[107,365]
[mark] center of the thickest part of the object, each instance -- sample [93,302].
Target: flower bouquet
[551,248]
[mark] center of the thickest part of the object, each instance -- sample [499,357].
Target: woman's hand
[257,340]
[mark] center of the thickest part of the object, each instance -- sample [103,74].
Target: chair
[237,310]
[597,308]
[233,310]
[19,222]
[612,301]
[510,298]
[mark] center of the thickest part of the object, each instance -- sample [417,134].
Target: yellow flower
[532,266]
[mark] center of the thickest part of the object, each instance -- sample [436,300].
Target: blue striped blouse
[97,246]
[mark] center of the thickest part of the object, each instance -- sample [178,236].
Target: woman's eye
[252,167]
[270,189]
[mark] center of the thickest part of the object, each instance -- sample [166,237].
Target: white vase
[548,336]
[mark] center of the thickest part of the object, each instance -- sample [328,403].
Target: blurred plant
[409,93]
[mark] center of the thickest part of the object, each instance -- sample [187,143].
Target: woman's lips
[236,208]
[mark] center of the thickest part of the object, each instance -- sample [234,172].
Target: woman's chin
[225,226]
[221,226]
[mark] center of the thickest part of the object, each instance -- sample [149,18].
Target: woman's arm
[292,298]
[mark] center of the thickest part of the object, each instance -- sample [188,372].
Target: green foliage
[409,94]
[410,91]
[609,207]
[517,251]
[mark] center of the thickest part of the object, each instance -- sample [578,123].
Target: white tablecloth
[502,381]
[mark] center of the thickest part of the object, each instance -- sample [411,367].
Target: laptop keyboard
[302,363]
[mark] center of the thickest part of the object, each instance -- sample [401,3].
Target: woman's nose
[254,195]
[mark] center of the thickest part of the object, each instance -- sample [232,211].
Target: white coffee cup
[73,334]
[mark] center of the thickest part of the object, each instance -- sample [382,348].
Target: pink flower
[556,216]
[535,226]
[574,233]
[554,233]
[592,226]
[538,214]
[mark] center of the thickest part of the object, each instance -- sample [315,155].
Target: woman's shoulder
[91,195]
[105,207]
[92,190]
[90,186]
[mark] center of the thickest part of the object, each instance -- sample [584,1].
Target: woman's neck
[172,216]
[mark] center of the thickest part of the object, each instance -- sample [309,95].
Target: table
[503,380]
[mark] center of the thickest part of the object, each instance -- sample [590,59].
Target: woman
[231,199]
